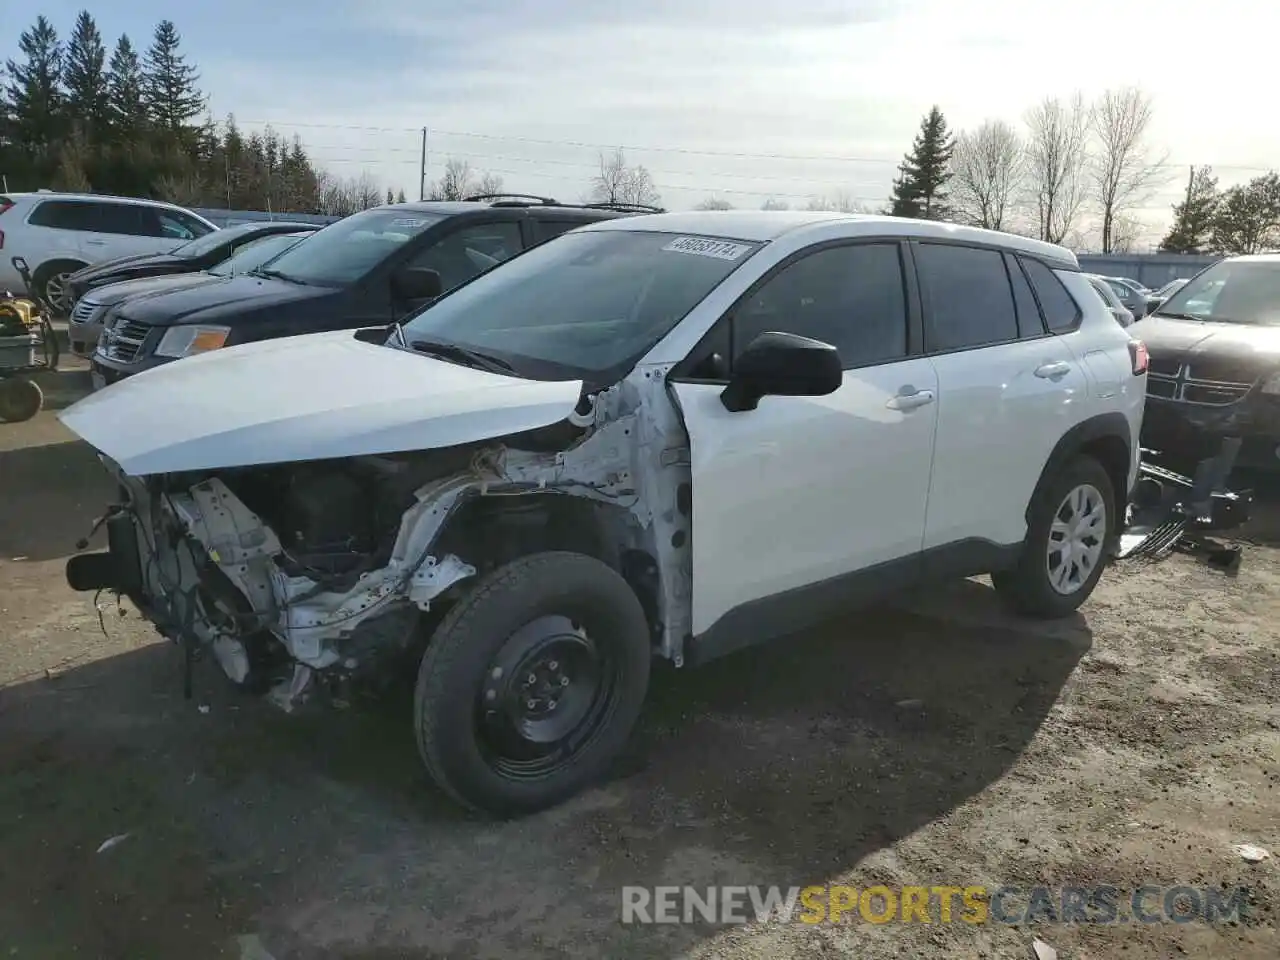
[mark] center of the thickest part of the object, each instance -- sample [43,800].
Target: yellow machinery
[28,345]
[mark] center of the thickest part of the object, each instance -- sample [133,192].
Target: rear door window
[969,296]
[66,215]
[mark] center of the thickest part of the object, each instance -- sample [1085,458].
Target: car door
[1006,386]
[469,250]
[59,230]
[125,229]
[801,492]
[1133,301]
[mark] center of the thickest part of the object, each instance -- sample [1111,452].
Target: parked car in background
[368,269]
[658,437]
[84,327]
[1130,293]
[1215,364]
[194,255]
[1108,295]
[59,234]
[1157,297]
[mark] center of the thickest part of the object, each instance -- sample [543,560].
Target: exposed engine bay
[295,571]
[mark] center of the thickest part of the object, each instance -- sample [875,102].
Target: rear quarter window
[1060,310]
[65,215]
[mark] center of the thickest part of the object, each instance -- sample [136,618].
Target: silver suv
[60,233]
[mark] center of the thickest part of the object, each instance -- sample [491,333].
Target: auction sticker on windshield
[720,249]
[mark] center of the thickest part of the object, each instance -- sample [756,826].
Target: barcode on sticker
[407,222]
[721,249]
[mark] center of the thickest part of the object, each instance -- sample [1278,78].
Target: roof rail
[624,207]
[512,199]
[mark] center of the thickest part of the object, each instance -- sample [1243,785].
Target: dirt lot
[1136,744]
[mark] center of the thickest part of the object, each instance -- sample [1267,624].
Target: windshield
[1169,287]
[1232,291]
[1105,292]
[585,304]
[343,252]
[255,253]
[210,241]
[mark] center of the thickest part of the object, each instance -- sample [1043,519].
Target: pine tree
[1193,218]
[34,97]
[126,102]
[85,78]
[170,83]
[920,188]
[1248,217]
[400,197]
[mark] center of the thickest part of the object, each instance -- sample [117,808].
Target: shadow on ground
[63,489]
[783,765]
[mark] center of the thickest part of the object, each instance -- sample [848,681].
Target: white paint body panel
[306,398]
[803,489]
[997,424]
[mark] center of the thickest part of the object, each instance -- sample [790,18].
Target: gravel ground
[937,742]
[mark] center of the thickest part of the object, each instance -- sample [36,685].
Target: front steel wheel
[530,687]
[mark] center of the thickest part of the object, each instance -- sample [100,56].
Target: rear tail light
[1138,357]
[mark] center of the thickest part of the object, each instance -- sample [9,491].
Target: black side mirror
[782,365]
[413,284]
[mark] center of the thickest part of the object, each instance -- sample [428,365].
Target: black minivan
[369,269]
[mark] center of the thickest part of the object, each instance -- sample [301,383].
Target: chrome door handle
[95,243]
[910,400]
[1053,371]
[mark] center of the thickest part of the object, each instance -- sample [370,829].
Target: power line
[824,158]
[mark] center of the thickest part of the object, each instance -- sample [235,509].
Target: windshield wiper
[452,351]
[274,275]
[1179,316]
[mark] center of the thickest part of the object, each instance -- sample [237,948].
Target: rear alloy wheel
[51,283]
[530,687]
[1067,545]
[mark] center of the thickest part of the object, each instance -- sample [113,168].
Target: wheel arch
[492,531]
[1107,438]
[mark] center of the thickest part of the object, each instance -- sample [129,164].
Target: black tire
[457,680]
[1027,587]
[20,399]
[50,271]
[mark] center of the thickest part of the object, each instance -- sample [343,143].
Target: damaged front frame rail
[1169,511]
[633,456]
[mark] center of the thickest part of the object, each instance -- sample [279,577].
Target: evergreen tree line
[135,123]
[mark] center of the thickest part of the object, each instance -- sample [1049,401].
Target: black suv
[369,269]
[192,257]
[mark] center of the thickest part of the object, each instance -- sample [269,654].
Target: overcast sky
[743,99]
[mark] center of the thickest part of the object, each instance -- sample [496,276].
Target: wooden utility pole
[422,168]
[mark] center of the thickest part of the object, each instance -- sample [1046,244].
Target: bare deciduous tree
[715,203]
[1125,231]
[838,202]
[617,182]
[987,168]
[367,193]
[772,204]
[1057,151]
[489,183]
[1123,173]
[455,183]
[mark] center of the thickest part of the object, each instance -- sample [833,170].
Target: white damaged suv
[657,436]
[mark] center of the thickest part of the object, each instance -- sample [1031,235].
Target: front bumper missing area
[1169,511]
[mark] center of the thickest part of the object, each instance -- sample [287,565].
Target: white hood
[306,398]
